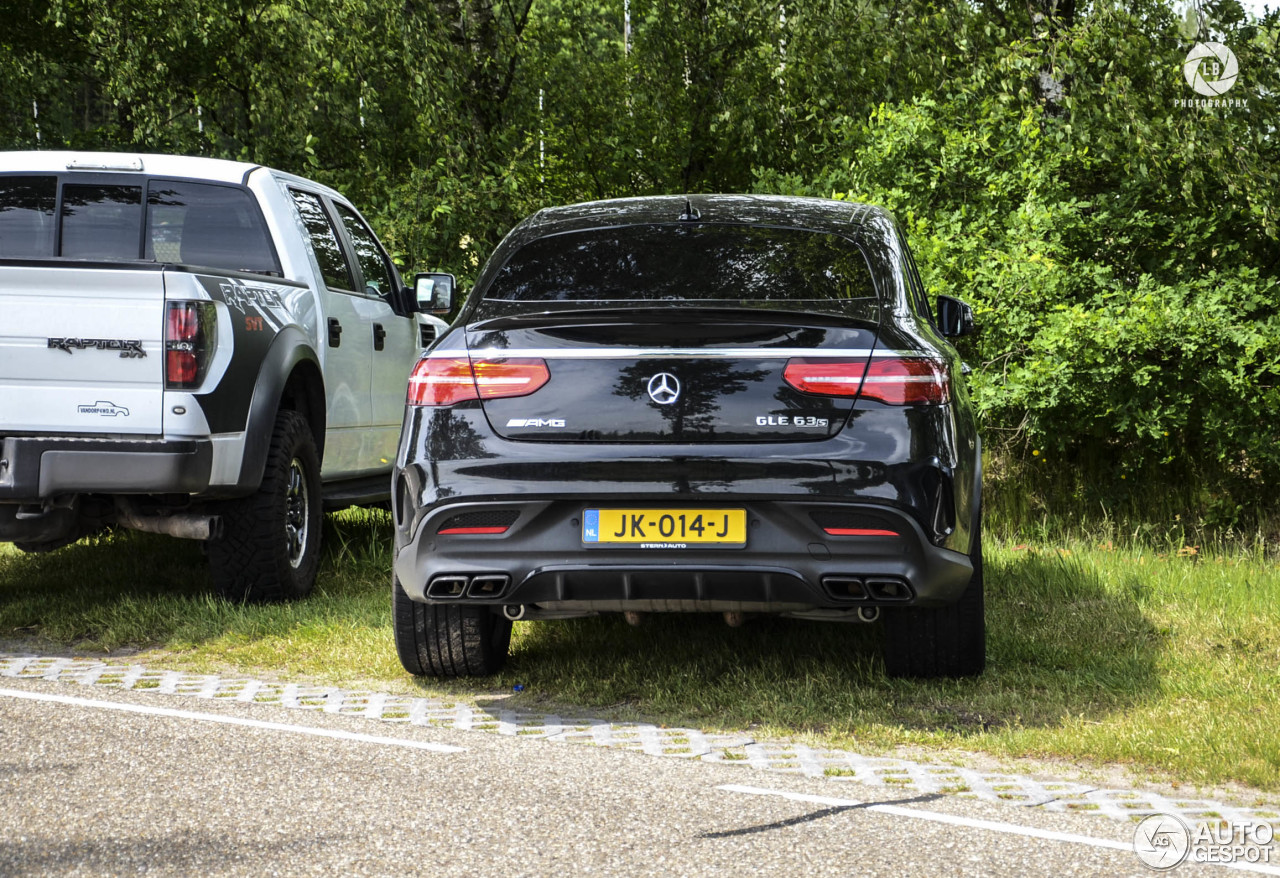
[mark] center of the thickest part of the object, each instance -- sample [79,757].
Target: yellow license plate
[665,528]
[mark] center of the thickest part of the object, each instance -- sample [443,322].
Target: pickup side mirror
[433,292]
[955,318]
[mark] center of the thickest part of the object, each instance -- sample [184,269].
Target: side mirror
[433,292]
[955,318]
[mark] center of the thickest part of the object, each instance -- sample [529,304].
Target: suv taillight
[438,381]
[895,380]
[189,342]
[907,381]
[826,378]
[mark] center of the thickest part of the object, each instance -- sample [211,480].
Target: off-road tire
[448,640]
[934,642]
[270,545]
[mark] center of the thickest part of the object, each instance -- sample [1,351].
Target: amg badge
[536,422]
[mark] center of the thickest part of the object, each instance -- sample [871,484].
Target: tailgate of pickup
[81,350]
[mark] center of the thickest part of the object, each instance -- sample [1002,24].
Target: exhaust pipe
[868,614]
[845,588]
[889,589]
[489,586]
[184,525]
[447,587]
[513,612]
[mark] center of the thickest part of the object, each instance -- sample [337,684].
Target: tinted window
[377,277]
[101,221]
[208,225]
[26,215]
[908,283]
[917,288]
[333,262]
[685,262]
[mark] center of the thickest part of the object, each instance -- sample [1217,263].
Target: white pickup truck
[203,348]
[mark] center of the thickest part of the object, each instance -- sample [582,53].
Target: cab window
[207,224]
[334,267]
[101,221]
[26,216]
[372,261]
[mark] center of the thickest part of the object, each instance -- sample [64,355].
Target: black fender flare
[288,350]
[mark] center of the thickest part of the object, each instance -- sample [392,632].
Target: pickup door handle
[335,332]
[379,337]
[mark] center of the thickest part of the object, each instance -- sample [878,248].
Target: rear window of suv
[698,262]
[181,221]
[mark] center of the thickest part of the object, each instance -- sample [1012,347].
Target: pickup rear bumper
[36,468]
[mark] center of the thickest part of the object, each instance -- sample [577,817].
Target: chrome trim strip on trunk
[663,353]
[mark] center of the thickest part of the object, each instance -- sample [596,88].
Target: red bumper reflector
[473,530]
[860,532]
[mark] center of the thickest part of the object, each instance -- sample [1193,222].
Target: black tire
[448,640]
[270,545]
[937,642]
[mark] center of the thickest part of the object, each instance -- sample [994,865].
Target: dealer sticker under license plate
[665,528]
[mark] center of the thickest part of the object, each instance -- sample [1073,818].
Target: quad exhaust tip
[880,590]
[889,590]
[485,586]
[447,587]
[845,588]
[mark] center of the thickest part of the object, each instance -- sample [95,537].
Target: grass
[1156,655]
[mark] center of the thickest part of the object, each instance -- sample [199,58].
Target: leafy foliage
[1120,245]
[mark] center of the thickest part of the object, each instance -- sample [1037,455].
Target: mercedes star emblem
[664,388]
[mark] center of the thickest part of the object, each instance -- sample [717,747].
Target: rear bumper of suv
[34,468]
[790,562]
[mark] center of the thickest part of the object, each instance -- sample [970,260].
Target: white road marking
[974,823]
[229,720]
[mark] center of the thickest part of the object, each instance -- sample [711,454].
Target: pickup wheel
[946,641]
[270,547]
[448,640]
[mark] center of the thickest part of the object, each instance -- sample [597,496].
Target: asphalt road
[89,790]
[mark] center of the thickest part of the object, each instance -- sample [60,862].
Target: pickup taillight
[189,342]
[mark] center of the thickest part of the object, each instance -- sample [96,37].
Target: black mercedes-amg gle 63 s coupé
[723,403]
